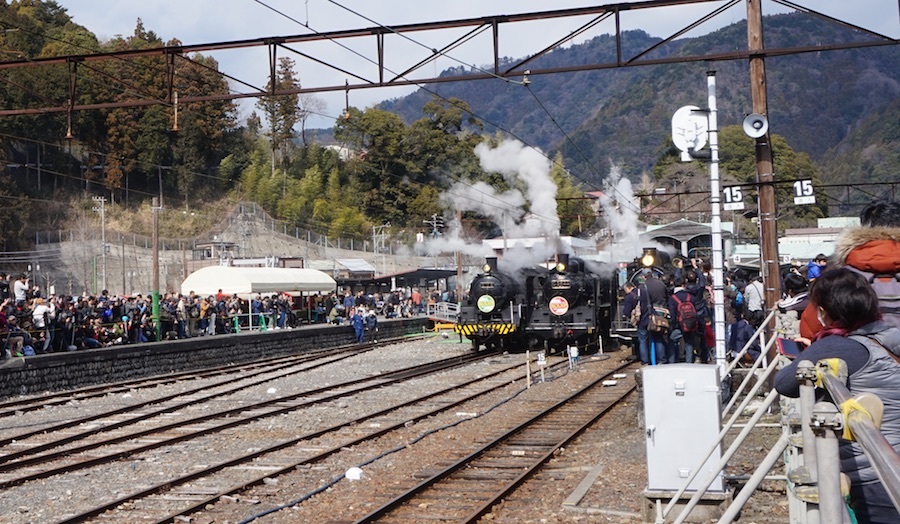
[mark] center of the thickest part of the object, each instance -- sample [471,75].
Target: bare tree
[310,105]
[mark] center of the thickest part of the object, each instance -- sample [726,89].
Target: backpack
[887,287]
[635,317]
[686,314]
[737,303]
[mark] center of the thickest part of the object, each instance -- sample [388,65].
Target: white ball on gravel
[271,391]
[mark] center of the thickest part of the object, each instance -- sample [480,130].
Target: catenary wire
[524,83]
[423,87]
[420,44]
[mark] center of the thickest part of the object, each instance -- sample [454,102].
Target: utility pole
[378,233]
[768,238]
[124,289]
[715,199]
[155,291]
[436,223]
[101,208]
[383,262]
[459,290]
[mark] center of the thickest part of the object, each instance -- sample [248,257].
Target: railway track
[113,419]
[10,408]
[175,499]
[469,487]
[115,438]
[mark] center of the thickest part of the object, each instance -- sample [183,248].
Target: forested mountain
[413,159]
[869,153]
[816,100]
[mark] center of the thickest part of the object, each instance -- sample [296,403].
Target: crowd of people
[673,312]
[852,313]
[400,303]
[846,307]
[687,292]
[32,322]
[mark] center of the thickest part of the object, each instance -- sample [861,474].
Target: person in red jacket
[873,248]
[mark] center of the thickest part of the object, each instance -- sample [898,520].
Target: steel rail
[403,499]
[202,504]
[239,412]
[4,459]
[31,403]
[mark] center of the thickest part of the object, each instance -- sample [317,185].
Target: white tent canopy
[249,280]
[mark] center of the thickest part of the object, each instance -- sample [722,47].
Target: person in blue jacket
[816,266]
[742,332]
[359,325]
[372,325]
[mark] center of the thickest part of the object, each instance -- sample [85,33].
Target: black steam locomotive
[660,263]
[497,308]
[575,305]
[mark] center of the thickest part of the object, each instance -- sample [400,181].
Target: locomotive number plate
[561,284]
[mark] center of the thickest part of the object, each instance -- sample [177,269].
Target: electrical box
[682,421]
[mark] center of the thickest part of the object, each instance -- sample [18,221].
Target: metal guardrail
[815,464]
[443,311]
[762,471]
[884,459]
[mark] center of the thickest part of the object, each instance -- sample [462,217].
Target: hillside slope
[624,115]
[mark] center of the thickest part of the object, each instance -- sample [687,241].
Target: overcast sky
[206,21]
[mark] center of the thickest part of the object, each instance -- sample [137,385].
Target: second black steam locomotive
[575,305]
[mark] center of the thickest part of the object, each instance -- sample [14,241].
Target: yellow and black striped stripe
[473,329]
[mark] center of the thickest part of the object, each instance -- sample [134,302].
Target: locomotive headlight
[560,267]
[486,268]
[486,303]
[649,257]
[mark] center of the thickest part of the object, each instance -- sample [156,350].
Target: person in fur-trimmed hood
[873,249]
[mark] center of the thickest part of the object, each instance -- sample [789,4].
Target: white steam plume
[622,210]
[519,163]
[527,171]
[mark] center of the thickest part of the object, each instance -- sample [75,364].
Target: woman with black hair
[852,330]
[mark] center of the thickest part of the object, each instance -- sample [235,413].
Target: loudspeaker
[755,125]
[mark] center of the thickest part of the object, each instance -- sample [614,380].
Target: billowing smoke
[527,171]
[622,210]
[522,165]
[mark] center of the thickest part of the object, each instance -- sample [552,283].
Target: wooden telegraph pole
[768,236]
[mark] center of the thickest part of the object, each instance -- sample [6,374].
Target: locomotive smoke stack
[491,262]
[562,258]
